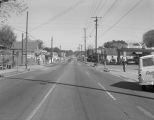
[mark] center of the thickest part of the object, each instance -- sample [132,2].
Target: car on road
[146,71]
[113,61]
[131,61]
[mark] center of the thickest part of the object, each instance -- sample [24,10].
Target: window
[148,62]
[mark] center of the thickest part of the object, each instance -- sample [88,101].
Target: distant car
[112,61]
[131,61]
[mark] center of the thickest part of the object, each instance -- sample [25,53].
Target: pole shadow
[123,85]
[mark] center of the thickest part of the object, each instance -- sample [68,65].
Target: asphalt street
[73,91]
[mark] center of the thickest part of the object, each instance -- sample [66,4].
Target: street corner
[1,75]
[106,70]
[127,76]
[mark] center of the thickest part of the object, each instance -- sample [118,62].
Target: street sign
[17,53]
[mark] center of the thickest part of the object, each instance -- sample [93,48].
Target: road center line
[106,91]
[147,113]
[88,73]
[30,117]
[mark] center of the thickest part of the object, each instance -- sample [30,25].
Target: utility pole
[96,24]
[81,48]
[51,48]
[85,43]
[60,53]
[22,49]
[26,39]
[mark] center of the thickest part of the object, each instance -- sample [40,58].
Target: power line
[103,5]
[22,31]
[60,14]
[122,17]
[93,10]
[98,6]
[111,7]
[90,14]
[108,10]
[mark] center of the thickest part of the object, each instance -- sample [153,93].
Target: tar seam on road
[30,117]
[19,73]
[88,73]
[147,113]
[106,91]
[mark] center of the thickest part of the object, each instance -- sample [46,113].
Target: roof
[110,51]
[134,45]
[147,56]
[2,46]
[136,50]
[31,45]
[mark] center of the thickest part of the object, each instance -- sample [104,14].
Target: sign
[138,52]
[17,53]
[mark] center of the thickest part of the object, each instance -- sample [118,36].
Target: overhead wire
[110,8]
[92,11]
[107,12]
[123,16]
[22,31]
[102,7]
[91,7]
[98,6]
[60,14]
[94,7]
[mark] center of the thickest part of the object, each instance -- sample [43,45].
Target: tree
[40,44]
[69,52]
[7,36]
[115,44]
[148,38]
[47,49]
[8,7]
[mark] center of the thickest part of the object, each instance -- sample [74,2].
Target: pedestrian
[124,63]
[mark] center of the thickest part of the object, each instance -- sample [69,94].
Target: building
[134,45]
[33,52]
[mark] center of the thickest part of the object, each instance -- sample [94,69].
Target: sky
[64,20]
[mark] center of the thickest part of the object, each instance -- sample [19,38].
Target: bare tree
[7,36]
[148,38]
[9,7]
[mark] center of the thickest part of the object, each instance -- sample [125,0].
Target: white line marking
[43,100]
[22,72]
[16,74]
[88,73]
[45,69]
[106,91]
[147,113]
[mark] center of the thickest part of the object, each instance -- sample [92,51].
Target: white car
[146,71]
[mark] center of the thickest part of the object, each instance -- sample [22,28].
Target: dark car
[131,61]
[112,61]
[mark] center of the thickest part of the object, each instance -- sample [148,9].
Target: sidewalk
[131,73]
[21,69]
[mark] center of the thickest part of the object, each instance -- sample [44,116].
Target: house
[33,52]
[134,45]
[55,57]
[2,47]
[110,53]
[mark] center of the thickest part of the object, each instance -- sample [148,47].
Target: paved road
[73,91]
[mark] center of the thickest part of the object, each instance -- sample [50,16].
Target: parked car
[112,61]
[131,61]
[146,71]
